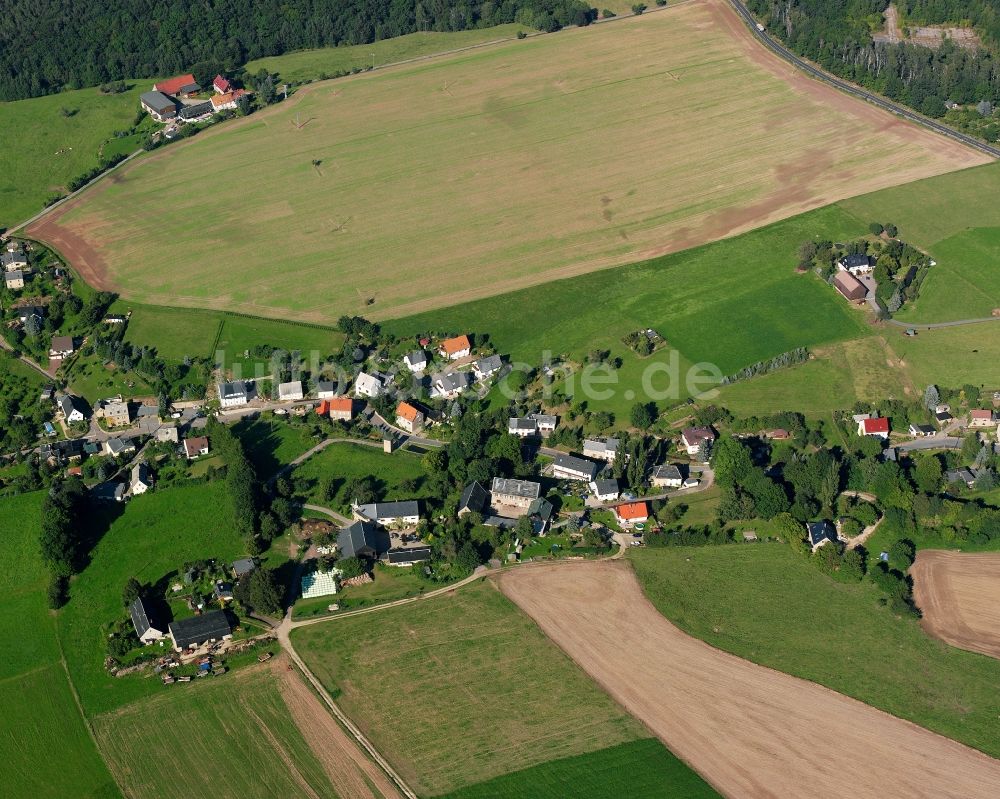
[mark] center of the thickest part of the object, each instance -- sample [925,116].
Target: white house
[288,392]
[389,514]
[234,394]
[416,361]
[14,279]
[820,533]
[695,438]
[522,427]
[144,628]
[449,384]
[455,348]
[409,417]
[517,493]
[487,367]
[142,480]
[325,389]
[876,426]
[195,447]
[605,490]
[603,450]
[71,408]
[545,423]
[61,347]
[981,417]
[569,467]
[366,385]
[922,430]
[856,264]
[667,476]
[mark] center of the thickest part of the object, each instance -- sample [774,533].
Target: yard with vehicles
[527,109]
[40,712]
[735,597]
[475,651]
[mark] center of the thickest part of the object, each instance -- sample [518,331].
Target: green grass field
[43,149]
[639,770]
[514,199]
[461,673]
[152,537]
[270,444]
[240,334]
[176,333]
[40,723]
[308,65]
[343,462]
[952,356]
[768,605]
[230,737]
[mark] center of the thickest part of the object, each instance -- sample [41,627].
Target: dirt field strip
[959,595]
[351,773]
[750,731]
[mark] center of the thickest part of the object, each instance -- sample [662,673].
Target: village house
[142,479]
[696,439]
[522,427]
[14,279]
[454,348]
[61,347]
[943,417]
[487,367]
[631,513]
[25,312]
[228,101]
[605,490]
[963,475]
[167,435]
[667,476]
[243,567]
[416,361]
[569,467]
[72,408]
[362,539]
[877,426]
[515,493]
[14,259]
[195,447]
[325,389]
[196,630]
[119,446]
[449,384]
[220,85]
[545,423]
[115,413]
[389,514]
[850,287]
[475,499]
[109,492]
[409,556]
[820,533]
[922,430]
[180,86]
[856,264]
[234,394]
[981,417]
[366,385]
[146,631]
[158,105]
[340,408]
[291,391]
[603,450]
[223,592]
[409,418]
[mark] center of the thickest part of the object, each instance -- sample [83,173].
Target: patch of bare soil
[959,595]
[750,731]
[932,36]
[351,773]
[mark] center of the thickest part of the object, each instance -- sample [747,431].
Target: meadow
[44,148]
[396,191]
[834,634]
[646,767]
[231,737]
[463,673]
[270,445]
[41,721]
[952,356]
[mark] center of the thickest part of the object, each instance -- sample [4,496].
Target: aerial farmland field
[424,185]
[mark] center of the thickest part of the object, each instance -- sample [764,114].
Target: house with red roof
[340,408]
[409,417]
[228,100]
[180,86]
[877,426]
[455,348]
[221,85]
[981,417]
[632,513]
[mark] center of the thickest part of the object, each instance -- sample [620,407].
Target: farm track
[748,730]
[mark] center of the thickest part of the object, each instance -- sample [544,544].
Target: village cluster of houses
[15,265]
[179,99]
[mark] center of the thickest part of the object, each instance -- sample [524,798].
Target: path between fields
[749,730]
[936,325]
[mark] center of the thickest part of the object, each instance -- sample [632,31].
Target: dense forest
[837,35]
[47,45]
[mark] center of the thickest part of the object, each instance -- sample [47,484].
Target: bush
[56,593]
[608,13]
[638,8]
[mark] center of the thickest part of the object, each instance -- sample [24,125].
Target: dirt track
[959,595]
[750,731]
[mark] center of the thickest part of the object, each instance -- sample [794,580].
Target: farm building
[144,628]
[850,287]
[387,514]
[211,626]
[194,112]
[362,539]
[158,105]
[407,557]
[518,493]
[179,86]
[229,101]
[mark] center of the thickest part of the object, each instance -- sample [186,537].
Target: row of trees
[61,537]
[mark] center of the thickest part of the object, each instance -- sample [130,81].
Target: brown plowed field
[959,595]
[749,730]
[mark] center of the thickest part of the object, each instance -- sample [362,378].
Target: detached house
[416,361]
[409,418]
[455,348]
[605,450]
[877,426]
[522,427]
[72,409]
[142,479]
[820,533]
[388,514]
[449,384]
[341,408]
[487,367]
[288,392]
[14,279]
[325,389]
[632,513]
[366,385]
[228,101]
[195,447]
[144,627]
[546,423]
[116,414]
[232,395]
[856,264]
[14,259]
[696,439]
[220,85]
[517,493]
[667,476]
[605,490]
[569,467]
[61,347]
[922,430]
[981,417]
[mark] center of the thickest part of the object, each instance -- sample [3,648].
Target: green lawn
[176,333]
[272,443]
[343,462]
[391,583]
[153,536]
[93,380]
[637,770]
[231,736]
[241,333]
[768,605]
[461,689]
[43,149]
[40,719]
[952,356]
[308,65]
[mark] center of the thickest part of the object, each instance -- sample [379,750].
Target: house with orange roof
[455,348]
[409,417]
[340,408]
[228,100]
[180,86]
[632,513]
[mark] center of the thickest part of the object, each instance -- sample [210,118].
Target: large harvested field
[959,595]
[500,168]
[748,730]
[461,689]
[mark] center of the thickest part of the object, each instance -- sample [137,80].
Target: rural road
[936,325]
[931,442]
[777,47]
[25,359]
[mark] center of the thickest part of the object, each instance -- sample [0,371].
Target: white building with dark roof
[517,493]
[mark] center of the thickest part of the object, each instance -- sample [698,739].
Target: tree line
[46,46]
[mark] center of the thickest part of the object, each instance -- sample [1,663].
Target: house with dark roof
[197,630]
[605,449]
[142,479]
[569,467]
[544,422]
[119,446]
[856,264]
[605,490]
[72,408]
[13,259]
[416,361]
[325,389]
[667,476]
[144,628]
[61,347]
[963,475]
[408,556]
[388,514]
[522,426]
[13,279]
[234,394]
[487,367]
[922,430]
[449,384]
[696,439]
[243,567]
[195,111]
[158,105]
[362,539]
[195,447]
[820,533]
[475,499]
[516,493]
[540,512]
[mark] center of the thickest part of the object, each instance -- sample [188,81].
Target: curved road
[899,110]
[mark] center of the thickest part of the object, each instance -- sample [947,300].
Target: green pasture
[952,356]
